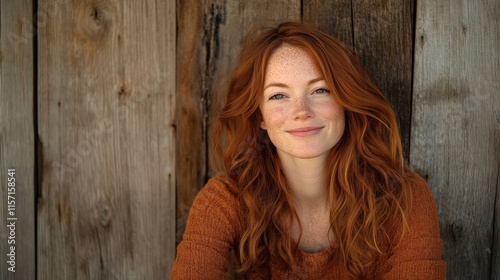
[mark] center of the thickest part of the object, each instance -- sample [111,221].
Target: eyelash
[274,96]
[324,89]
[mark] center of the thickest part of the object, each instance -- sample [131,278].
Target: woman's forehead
[289,60]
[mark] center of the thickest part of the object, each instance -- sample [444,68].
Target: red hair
[368,180]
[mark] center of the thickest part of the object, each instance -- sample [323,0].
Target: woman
[312,183]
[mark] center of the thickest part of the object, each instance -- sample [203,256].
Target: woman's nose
[302,108]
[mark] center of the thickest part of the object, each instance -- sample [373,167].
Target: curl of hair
[369,185]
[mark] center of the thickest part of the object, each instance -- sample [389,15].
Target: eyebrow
[286,86]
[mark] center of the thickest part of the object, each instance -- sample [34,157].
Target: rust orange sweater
[215,225]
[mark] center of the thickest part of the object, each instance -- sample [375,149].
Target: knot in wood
[94,20]
[97,16]
[456,230]
[123,92]
[104,213]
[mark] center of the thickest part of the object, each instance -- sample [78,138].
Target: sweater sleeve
[211,230]
[418,255]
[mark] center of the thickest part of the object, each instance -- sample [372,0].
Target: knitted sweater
[215,225]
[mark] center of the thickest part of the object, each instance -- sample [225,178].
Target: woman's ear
[263,125]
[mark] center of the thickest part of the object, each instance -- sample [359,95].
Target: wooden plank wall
[120,134]
[106,116]
[456,128]
[17,140]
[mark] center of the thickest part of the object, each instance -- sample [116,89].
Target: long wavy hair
[367,179]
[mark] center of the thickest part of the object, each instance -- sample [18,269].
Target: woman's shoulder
[423,211]
[418,253]
[219,197]
[213,228]
[220,188]
[422,196]
[216,211]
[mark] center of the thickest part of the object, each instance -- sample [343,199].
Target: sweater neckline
[322,255]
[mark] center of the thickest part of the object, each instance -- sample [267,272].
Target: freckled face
[299,112]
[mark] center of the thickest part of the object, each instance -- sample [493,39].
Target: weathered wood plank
[333,17]
[106,103]
[456,123]
[495,251]
[210,36]
[191,108]
[17,140]
[383,32]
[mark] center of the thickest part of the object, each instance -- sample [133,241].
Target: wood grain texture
[333,17]
[210,36]
[456,124]
[106,103]
[495,251]
[383,32]
[191,108]
[17,138]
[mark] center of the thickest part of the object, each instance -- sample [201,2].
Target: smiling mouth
[305,131]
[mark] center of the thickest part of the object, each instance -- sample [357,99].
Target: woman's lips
[305,131]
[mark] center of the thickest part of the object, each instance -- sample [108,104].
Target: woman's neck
[306,178]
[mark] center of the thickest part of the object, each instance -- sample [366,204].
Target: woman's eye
[321,91]
[277,96]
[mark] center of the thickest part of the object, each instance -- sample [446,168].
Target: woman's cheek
[275,116]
